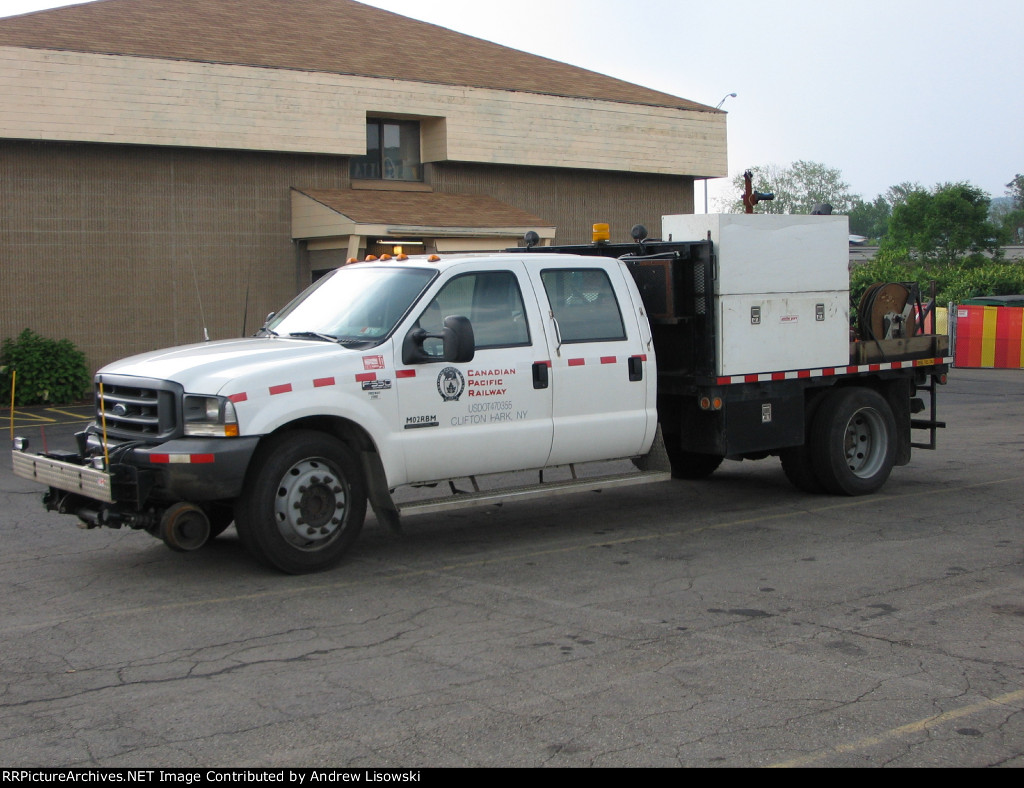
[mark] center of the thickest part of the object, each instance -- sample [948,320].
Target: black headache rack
[676,284]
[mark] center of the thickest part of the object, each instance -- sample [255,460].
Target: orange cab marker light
[433,259]
[385,257]
[402,257]
[369,258]
[351,260]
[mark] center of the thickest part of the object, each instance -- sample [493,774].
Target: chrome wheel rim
[865,443]
[310,504]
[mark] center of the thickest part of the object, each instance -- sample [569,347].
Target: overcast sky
[886,91]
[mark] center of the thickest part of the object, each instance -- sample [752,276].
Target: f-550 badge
[450,384]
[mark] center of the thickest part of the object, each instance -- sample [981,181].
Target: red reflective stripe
[577,362]
[362,377]
[323,382]
[803,373]
[750,378]
[239,397]
[405,373]
[284,388]
[201,458]
[546,363]
[778,376]
[642,357]
[607,359]
[159,458]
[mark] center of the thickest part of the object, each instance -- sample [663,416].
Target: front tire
[303,504]
[853,441]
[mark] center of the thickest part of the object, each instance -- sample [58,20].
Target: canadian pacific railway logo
[450,384]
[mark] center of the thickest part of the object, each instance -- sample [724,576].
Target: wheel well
[343,429]
[359,440]
[897,393]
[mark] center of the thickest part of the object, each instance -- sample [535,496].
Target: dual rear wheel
[850,448]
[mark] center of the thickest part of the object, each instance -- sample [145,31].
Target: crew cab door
[603,381]
[491,414]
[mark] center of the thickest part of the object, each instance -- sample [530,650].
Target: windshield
[354,304]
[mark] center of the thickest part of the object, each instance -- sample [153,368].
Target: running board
[465,500]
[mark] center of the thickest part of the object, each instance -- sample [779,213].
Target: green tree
[1012,221]
[797,188]
[870,219]
[1016,191]
[943,227]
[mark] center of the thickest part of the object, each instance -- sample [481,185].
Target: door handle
[540,374]
[636,368]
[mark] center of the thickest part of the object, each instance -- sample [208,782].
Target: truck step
[465,500]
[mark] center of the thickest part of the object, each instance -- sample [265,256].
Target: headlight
[210,416]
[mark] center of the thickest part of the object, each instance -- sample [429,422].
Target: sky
[886,91]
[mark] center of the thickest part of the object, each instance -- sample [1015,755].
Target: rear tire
[853,441]
[303,504]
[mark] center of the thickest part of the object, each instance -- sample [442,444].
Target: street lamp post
[717,106]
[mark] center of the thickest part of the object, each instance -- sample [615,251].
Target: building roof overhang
[341,213]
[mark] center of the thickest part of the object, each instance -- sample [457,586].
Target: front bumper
[187,469]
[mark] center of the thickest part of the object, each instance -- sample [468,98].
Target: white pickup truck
[418,371]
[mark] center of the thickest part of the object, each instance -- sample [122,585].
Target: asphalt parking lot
[733,622]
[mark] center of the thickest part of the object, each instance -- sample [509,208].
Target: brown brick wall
[105,244]
[574,200]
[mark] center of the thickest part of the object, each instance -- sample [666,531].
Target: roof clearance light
[351,260]
[601,233]
[385,257]
[370,258]
[433,259]
[402,257]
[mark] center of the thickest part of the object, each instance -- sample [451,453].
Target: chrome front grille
[137,408]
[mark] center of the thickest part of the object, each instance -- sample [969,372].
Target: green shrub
[48,371]
[975,276]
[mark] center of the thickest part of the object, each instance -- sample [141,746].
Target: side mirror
[458,342]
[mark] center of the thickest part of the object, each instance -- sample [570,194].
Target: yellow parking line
[82,416]
[33,418]
[1010,700]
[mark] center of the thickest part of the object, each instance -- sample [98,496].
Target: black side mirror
[456,337]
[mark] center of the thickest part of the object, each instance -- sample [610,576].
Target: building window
[392,152]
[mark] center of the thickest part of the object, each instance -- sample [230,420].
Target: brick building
[173,165]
